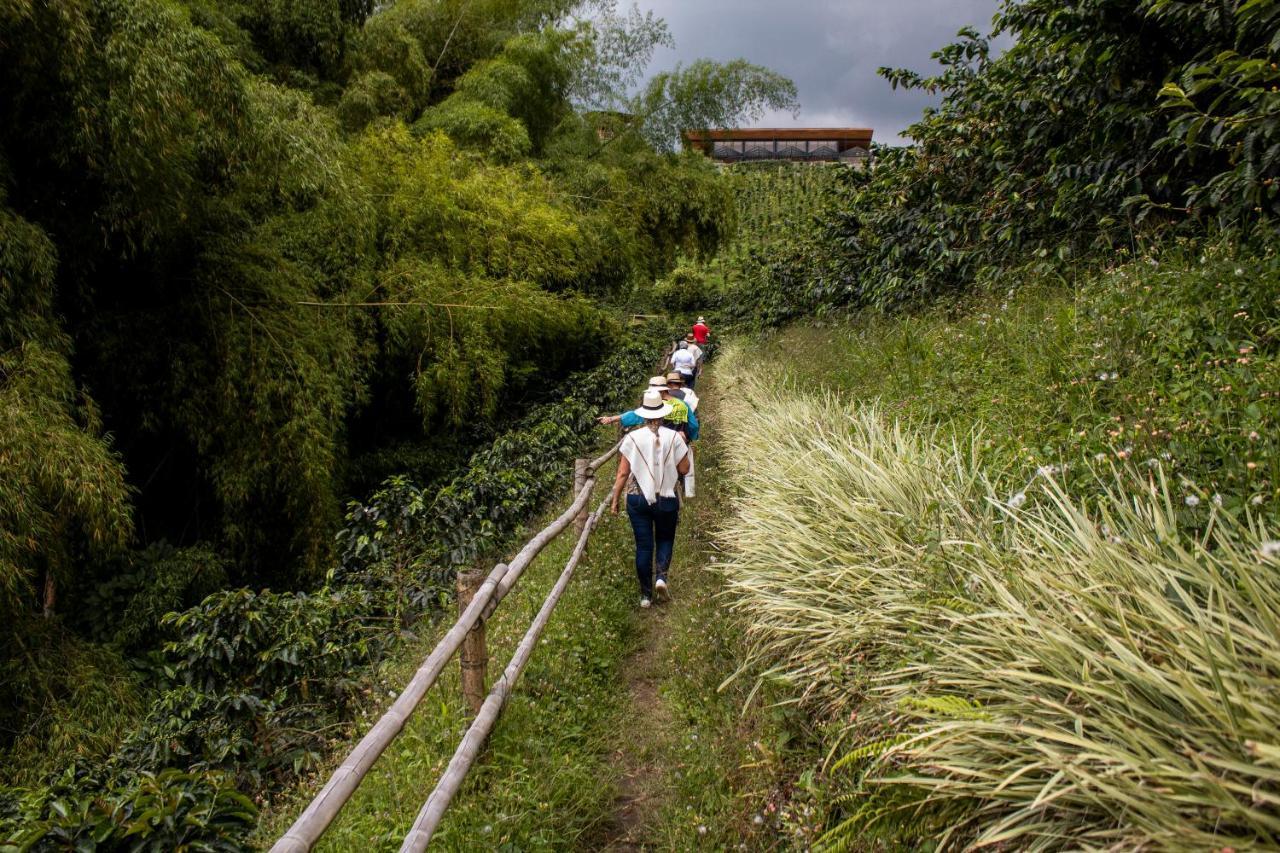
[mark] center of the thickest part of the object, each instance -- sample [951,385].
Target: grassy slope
[1176,362]
[1167,368]
[617,734]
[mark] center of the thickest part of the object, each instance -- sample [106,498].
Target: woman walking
[651,462]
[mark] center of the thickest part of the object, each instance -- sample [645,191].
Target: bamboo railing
[337,791]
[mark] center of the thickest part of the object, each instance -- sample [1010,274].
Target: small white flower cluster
[1191,500]
[1104,376]
[1270,549]
[1017,500]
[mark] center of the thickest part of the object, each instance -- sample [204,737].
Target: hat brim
[654,414]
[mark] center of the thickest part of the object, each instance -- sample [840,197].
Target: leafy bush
[170,810]
[126,609]
[686,289]
[1062,145]
[261,680]
[505,483]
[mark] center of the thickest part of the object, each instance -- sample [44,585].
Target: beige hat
[653,406]
[658,383]
[674,376]
[701,320]
[689,337]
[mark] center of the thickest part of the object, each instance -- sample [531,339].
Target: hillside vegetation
[1008,525]
[302,305]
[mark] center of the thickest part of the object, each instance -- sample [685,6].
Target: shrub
[687,289]
[260,678]
[171,810]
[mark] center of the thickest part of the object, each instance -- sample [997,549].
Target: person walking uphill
[685,363]
[650,464]
[701,332]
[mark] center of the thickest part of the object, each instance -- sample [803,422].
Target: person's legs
[666,515]
[689,379]
[641,516]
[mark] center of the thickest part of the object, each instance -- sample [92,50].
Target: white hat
[658,383]
[653,406]
[701,320]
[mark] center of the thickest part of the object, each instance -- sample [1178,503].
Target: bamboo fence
[337,791]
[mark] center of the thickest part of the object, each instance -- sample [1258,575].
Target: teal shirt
[631,419]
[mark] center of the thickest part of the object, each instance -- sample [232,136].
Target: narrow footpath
[690,769]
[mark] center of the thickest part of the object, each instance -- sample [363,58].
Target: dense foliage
[1106,125]
[779,264]
[257,256]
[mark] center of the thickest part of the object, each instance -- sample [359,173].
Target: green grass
[1025,605]
[1193,344]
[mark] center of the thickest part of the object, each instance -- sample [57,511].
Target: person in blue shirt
[682,419]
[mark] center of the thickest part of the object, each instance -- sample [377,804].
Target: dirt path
[641,778]
[653,729]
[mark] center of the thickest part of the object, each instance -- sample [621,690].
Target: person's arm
[620,480]
[627,419]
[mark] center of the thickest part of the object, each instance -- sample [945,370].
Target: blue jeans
[655,530]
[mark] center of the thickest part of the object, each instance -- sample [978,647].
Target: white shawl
[653,456]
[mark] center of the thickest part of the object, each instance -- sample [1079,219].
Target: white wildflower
[1017,500]
[1256,500]
[1099,457]
[1191,500]
[1102,377]
[1270,549]
[758,819]
[1150,463]
[1113,375]
[1217,499]
[702,830]
[1239,271]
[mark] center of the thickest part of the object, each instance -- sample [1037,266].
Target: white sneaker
[660,589]
[644,603]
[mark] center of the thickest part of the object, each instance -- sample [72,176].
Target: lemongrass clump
[1042,676]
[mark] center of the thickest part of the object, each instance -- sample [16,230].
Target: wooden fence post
[580,480]
[473,658]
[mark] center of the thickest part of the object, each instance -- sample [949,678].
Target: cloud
[830,48]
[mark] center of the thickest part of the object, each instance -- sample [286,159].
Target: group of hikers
[655,466]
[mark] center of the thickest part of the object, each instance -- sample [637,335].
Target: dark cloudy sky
[830,48]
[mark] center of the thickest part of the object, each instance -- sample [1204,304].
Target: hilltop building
[850,145]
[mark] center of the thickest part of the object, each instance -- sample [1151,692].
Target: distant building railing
[830,144]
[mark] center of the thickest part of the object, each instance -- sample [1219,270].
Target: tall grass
[1008,670]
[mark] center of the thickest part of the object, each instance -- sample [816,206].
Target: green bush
[261,681]
[155,813]
[687,289]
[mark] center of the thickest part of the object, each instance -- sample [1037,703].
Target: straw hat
[689,337]
[674,376]
[702,320]
[659,383]
[653,406]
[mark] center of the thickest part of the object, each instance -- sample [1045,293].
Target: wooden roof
[860,135]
